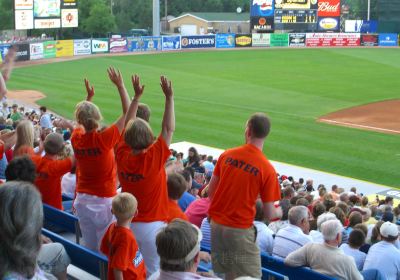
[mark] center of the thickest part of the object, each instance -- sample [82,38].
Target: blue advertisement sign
[170,43]
[198,41]
[225,40]
[3,51]
[145,43]
[361,26]
[262,8]
[388,40]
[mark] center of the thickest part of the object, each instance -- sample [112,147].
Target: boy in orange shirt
[49,170]
[119,244]
[176,187]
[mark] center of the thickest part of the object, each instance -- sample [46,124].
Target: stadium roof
[218,17]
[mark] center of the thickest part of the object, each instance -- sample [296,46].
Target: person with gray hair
[317,234]
[295,235]
[178,246]
[326,258]
[20,227]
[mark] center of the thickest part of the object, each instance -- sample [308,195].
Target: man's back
[244,173]
[289,239]
[385,257]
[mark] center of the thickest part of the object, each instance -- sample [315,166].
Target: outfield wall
[65,48]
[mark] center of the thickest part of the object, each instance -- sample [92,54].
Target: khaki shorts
[234,250]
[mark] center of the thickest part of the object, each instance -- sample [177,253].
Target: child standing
[119,244]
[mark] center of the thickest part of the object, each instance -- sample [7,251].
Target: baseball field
[216,91]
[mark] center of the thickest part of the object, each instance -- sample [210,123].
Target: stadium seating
[81,257]
[62,221]
[269,274]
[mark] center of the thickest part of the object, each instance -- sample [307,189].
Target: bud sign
[329,8]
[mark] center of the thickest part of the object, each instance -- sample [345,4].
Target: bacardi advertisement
[333,39]
[262,24]
[329,8]
[369,40]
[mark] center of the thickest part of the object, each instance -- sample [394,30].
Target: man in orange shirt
[49,170]
[119,244]
[176,187]
[141,171]
[241,175]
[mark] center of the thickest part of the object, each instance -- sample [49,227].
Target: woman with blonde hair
[141,171]
[25,139]
[96,169]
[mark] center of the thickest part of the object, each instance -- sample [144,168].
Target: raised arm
[89,90]
[9,140]
[131,114]
[271,212]
[3,87]
[116,77]
[8,64]
[168,123]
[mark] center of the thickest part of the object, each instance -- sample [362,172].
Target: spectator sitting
[344,197]
[283,222]
[45,119]
[295,235]
[356,240]
[333,193]
[198,210]
[178,246]
[326,258]
[317,210]
[186,198]
[208,165]
[309,186]
[119,244]
[384,255]
[387,216]
[176,187]
[49,170]
[355,218]
[365,247]
[387,204]
[316,234]
[15,115]
[329,203]
[21,169]
[265,239]
[340,215]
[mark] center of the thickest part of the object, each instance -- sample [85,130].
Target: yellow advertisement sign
[64,48]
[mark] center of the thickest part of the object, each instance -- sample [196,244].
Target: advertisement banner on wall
[69,17]
[171,43]
[329,24]
[361,26]
[82,47]
[49,49]
[23,19]
[118,45]
[262,8]
[333,39]
[22,52]
[261,39]
[224,41]
[329,8]
[297,40]
[279,40]
[23,4]
[263,24]
[243,40]
[388,40]
[47,23]
[369,40]
[145,43]
[99,45]
[198,41]
[64,48]
[36,51]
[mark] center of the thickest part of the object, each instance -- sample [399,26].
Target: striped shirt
[289,239]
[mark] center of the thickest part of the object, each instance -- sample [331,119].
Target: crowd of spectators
[150,209]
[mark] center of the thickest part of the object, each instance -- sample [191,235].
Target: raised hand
[115,77]
[137,87]
[166,87]
[89,90]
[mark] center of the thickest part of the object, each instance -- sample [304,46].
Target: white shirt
[358,256]
[265,240]
[45,121]
[317,236]
[277,225]
[289,239]
[177,275]
[68,184]
[385,257]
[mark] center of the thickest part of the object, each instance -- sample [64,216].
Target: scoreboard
[295,16]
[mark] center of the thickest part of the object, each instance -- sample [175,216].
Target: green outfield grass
[216,91]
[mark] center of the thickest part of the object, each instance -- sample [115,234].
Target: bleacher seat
[269,275]
[81,257]
[55,218]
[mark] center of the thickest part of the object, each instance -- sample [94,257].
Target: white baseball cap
[389,229]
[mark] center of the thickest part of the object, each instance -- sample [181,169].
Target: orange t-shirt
[244,174]
[95,161]
[175,212]
[120,246]
[24,150]
[48,178]
[144,176]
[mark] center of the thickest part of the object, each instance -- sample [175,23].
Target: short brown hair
[138,134]
[124,206]
[176,186]
[143,112]
[259,125]
[356,238]
[355,218]
[340,215]
[318,210]
[53,144]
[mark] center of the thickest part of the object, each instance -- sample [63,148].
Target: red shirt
[48,178]
[143,175]
[198,210]
[95,161]
[244,174]
[120,246]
